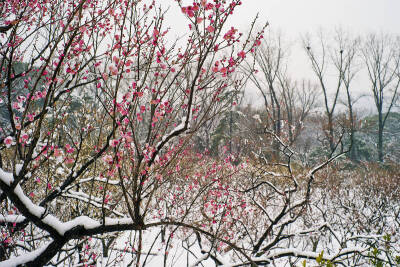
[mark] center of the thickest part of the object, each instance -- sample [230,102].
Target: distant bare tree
[320,64]
[344,57]
[286,101]
[270,61]
[381,54]
[298,99]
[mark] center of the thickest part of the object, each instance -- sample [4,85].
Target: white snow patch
[257,118]
[12,218]
[6,177]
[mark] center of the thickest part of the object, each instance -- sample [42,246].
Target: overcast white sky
[295,18]
[299,16]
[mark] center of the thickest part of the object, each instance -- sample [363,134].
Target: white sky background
[294,18]
[299,16]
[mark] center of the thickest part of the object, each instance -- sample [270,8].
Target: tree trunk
[330,129]
[352,132]
[380,137]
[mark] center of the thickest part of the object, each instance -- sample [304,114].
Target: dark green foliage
[366,138]
[224,132]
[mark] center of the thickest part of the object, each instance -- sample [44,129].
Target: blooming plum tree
[99,119]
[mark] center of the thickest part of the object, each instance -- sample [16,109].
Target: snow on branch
[175,131]
[39,214]
[24,258]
